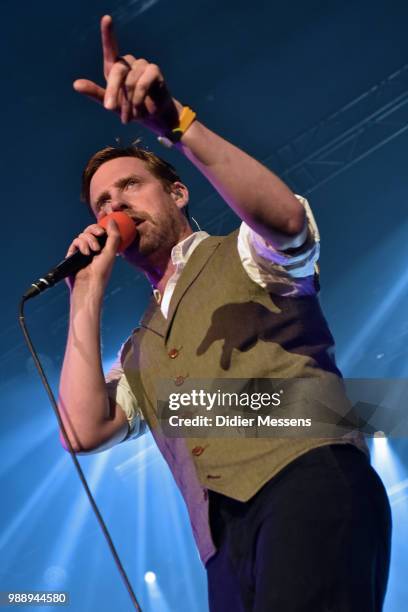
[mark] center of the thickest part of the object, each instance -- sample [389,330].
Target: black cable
[75,460]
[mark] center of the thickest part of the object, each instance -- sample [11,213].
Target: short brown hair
[161,169]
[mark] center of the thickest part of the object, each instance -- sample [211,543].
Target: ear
[180,194]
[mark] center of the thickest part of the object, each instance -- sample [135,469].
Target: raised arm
[136,89]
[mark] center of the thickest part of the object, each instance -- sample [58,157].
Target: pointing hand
[135,88]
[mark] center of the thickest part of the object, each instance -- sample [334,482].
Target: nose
[118,204]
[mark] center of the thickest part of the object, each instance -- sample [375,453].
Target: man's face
[127,185]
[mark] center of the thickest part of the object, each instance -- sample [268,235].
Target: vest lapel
[153,318]
[193,268]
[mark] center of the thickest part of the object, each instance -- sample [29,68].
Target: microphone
[75,262]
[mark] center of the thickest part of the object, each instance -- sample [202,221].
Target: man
[286,524]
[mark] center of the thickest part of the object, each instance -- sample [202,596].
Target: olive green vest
[221,324]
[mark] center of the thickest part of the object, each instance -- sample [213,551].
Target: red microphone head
[127,228]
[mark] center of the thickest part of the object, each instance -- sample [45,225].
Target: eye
[132,182]
[101,203]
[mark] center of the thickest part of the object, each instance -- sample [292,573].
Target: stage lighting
[150,577]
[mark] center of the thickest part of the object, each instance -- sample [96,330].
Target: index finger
[110,47]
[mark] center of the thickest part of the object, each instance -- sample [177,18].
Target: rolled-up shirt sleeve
[120,392]
[288,267]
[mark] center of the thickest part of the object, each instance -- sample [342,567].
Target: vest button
[178,381]
[197,451]
[173,353]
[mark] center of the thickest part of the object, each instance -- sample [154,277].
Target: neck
[158,266]
[158,273]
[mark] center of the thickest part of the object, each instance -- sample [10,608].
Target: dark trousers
[315,538]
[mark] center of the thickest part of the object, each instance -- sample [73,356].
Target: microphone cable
[78,468]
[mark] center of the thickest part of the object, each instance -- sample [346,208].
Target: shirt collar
[180,254]
[182,251]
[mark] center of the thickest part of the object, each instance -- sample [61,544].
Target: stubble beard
[155,237]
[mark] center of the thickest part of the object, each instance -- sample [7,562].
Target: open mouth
[138,222]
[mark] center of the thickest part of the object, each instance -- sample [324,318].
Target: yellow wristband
[186,118]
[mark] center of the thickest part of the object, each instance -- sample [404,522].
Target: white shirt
[280,272]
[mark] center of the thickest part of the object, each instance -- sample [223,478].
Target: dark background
[285,81]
